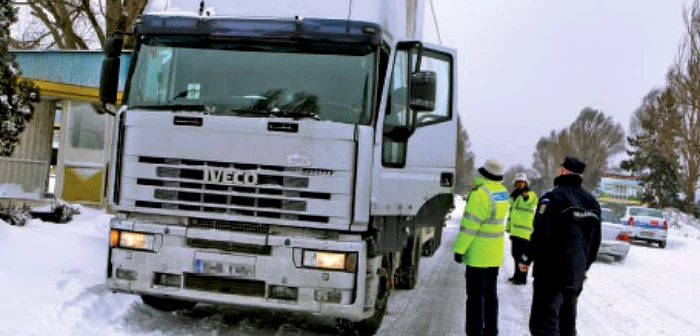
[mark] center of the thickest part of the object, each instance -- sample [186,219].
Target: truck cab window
[442,65]
[397,111]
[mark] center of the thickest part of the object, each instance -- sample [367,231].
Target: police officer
[480,244]
[563,245]
[523,202]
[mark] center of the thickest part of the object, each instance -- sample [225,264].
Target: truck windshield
[327,81]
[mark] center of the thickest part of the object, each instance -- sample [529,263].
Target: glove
[458,258]
[523,268]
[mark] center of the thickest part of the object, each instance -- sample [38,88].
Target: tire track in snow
[436,305]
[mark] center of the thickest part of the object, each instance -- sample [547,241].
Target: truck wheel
[372,324]
[429,248]
[410,260]
[165,304]
[438,237]
[662,244]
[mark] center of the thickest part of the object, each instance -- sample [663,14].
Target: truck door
[409,173]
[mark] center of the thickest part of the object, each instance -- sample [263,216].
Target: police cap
[574,165]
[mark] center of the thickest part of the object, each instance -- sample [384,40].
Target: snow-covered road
[51,283]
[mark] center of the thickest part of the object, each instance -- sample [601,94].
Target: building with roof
[619,188]
[64,151]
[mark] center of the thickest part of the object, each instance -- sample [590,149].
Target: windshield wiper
[275,112]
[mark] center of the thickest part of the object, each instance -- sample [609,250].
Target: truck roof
[275,29]
[398,19]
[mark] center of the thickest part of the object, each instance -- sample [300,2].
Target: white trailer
[282,154]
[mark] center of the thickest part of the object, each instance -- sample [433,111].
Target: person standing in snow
[522,212]
[480,245]
[563,245]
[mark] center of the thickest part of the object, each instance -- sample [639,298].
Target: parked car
[646,224]
[615,237]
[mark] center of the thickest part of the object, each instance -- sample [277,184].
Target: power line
[437,26]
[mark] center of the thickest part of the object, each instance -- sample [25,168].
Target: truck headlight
[132,240]
[340,261]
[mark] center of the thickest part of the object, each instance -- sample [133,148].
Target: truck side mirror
[423,91]
[109,78]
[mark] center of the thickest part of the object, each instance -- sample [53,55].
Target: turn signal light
[623,236]
[113,238]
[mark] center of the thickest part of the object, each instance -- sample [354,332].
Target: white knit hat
[492,170]
[521,177]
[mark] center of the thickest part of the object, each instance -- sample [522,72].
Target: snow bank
[11,190]
[53,278]
[681,224]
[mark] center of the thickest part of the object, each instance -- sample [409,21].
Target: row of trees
[665,129]
[592,137]
[664,142]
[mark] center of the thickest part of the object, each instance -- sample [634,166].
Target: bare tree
[74,24]
[465,160]
[547,157]
[684,81]
[592,137]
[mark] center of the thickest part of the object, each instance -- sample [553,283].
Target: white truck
[279,154]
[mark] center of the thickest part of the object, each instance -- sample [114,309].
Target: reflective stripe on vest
[492,220]
[481,234]
[521,208]
[522,227]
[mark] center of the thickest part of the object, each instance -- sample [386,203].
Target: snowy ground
[51,283]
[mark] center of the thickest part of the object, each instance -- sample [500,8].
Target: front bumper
[175,270]
[614,248]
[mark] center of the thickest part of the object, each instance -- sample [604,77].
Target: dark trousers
[517,248]
[482,301]
[553,311]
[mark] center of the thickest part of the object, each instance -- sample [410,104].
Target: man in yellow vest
[480,245]
[523,202]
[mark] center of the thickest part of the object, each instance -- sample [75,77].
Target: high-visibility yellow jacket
[522,215]
[481,235]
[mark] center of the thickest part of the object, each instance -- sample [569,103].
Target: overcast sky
[527,67]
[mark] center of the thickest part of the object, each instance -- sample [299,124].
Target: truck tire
[410,260]
[429,247]
[438,236]
[167,305]
[662,244]
[372,324]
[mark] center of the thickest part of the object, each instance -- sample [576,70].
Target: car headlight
[132,240]
[341,261]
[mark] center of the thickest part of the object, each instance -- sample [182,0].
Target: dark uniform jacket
[566,236]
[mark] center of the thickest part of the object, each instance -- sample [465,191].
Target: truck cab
[290,162]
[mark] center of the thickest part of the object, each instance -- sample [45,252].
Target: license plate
[236,270]
[647,234]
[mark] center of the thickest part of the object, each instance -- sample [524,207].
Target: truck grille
[225,285]
[253,191]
